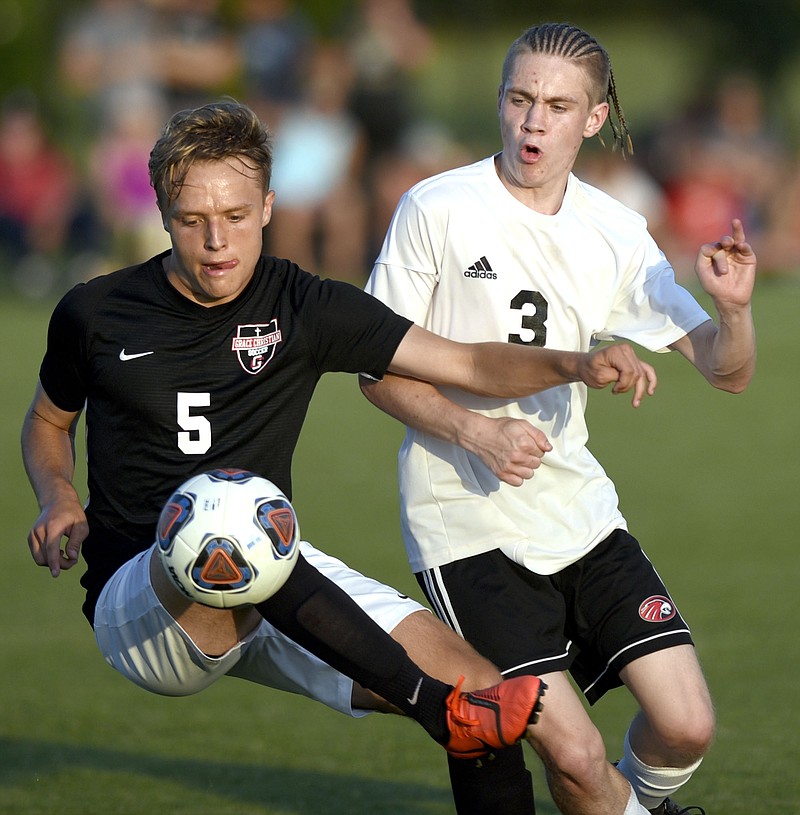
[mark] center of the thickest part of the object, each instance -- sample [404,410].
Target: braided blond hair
[571,42]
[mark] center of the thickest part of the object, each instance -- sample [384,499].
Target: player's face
[545,114]
[215,226]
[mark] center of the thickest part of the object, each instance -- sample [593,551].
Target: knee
[575,759]
[688,734]
[693,738]
[480,673]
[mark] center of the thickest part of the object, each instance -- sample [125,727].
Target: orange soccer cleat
[483,720]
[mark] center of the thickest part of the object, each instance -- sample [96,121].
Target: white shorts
[139,638]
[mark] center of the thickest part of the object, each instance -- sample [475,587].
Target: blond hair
[573,43]
[213,132]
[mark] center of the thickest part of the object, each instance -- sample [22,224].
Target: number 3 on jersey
[195,437]
[531,322]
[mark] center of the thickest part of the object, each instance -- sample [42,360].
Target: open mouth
[531,152]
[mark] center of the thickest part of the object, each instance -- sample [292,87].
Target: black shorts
[592,618]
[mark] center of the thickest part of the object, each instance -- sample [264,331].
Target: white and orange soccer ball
[228,538]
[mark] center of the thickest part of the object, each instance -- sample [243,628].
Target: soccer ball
[228,538]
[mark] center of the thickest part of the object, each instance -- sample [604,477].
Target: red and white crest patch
[657,609]
[255,345]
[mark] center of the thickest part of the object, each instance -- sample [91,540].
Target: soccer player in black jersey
[207,356]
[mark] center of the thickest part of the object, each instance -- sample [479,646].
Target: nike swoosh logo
[125,357]
[415,696]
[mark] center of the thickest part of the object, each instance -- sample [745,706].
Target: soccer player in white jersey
[540,573]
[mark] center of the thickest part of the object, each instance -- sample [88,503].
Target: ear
[597,118]
[266,215]
[500,90]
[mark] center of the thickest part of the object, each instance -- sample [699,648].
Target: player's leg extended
[317,613]
[669,737]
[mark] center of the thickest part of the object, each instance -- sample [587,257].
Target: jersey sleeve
[351,331]
[652,310]
[63,372]
[408,267]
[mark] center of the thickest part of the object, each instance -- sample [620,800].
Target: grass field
[708,481]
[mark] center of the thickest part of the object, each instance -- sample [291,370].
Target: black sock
[325,620]
[497,783]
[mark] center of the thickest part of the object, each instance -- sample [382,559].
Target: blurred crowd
[349,140]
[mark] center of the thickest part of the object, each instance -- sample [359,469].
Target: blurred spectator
[120,181]
[43,215]
[779,251]
[108,49]
[746,139]
[720,160]
[425,149]
[275,44]
[198,57]
[319,217]
[626,180]
[387,43]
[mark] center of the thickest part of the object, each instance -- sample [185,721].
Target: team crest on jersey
[657,609]
[255,345]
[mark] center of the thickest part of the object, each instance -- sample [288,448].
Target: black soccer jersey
[172,388]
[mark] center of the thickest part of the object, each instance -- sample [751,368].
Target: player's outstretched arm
[725,353]
[508,370]
[48,453]
[511,448]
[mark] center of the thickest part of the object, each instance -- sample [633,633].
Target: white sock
[652,784]
[633,806]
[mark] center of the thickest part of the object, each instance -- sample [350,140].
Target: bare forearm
[724,354]
[419,405]
[511,448]
[486,369]
[515,370]
[733,357]
[48,454]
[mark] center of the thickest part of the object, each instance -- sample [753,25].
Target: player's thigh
[140,639]
[442,653]
[672,692]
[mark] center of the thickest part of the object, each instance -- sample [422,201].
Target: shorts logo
[255,345]
[657,609]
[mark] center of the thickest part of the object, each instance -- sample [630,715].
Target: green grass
[708,481]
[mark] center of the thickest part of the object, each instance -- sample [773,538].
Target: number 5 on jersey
[195,436]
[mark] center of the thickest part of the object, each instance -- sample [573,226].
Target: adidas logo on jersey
[481,269]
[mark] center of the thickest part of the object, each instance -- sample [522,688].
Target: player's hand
[619,364]
[511,448]
[62,518]
[727,269]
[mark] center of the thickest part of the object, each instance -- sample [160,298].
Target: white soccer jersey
[465,259]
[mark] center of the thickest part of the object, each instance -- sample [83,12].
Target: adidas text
[485,275]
